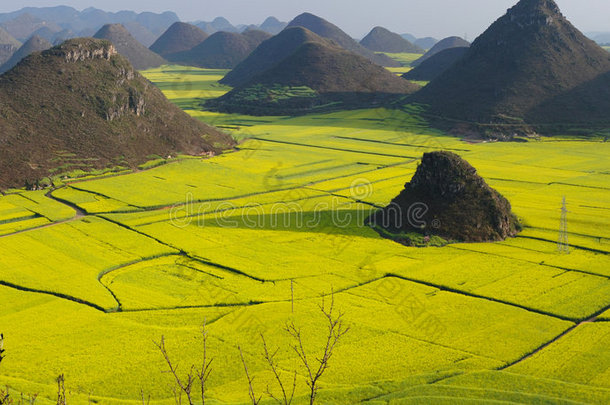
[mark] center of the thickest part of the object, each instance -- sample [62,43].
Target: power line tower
[563,245]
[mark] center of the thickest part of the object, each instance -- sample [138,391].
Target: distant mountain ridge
[270,53]
[222,50]
[425,43]
[34,44]
[435,65]
[179,37]
[446,43]
[145,27]
[318,74]
[271,25]
[330,31]
[24,25]
[8,46]
[383,40]
[137,54]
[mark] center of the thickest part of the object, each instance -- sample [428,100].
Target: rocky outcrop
[80,53]
[447,198]
[535,12]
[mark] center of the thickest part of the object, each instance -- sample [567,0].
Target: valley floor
[94,272]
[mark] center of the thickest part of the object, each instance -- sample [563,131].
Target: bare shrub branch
[1,347]
[145,401]
[61,390]
[270,357]
[336,330]
[250,380]
[5,398]
[204,372]
[185,386]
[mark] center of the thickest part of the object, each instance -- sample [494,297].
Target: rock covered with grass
[447,198]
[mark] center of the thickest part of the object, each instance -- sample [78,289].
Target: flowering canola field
[94,272]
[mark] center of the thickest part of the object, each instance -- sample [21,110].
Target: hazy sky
[437,18]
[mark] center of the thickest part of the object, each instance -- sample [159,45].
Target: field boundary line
[105,272]
[335,149]
[591,319]
[394,143]
[531,262]
[491,299]
[603,252]
[52,293]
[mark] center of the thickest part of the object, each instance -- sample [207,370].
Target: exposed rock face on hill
[530,69]
[138,55]
[34,44]
[222,50]
[447,198]
[270,53]
[179,37]
[383,40]
[8,46]
[447,43]
[432,67]
[83,102]
[315,74]
[330,31]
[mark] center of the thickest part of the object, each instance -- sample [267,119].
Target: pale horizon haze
[437,18]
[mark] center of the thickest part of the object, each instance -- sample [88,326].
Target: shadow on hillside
[585,106]
[324,103]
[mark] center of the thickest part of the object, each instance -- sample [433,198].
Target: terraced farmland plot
[258,171]
[67,259]
[241,239]
[581,357]
[520,388]
[22,211]
[90,202]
